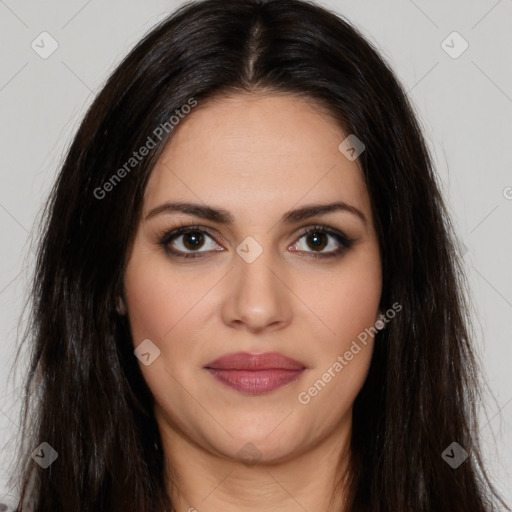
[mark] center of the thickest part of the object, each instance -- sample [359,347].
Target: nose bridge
[256,267]
[258,296]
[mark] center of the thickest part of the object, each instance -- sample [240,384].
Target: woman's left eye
[317,238]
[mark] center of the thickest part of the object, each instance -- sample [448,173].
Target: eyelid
[167,236]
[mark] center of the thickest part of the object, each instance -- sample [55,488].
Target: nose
[258,297]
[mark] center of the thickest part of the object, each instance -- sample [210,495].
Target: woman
[314,354]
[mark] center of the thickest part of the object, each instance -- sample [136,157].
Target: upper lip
[253,361]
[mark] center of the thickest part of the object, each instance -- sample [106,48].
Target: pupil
[317,240]
[193,240]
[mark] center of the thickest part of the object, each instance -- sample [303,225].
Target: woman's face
[258,284]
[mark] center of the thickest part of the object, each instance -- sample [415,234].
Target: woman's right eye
[181,240]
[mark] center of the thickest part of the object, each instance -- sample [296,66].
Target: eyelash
[168,236]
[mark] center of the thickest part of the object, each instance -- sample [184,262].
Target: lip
[255,373]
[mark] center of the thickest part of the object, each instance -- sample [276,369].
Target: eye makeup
[168,237]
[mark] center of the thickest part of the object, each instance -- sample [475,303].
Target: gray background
[464,104]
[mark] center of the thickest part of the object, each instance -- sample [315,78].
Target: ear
[120,305]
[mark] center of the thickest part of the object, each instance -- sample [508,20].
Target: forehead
[258,152]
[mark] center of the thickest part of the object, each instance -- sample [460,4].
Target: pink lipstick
[255,373]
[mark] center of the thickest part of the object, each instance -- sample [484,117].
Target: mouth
[255,373]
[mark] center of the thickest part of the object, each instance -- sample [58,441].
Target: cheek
[348,309]
[346,300]
[172,309]
[166,309]
[158,300]
[152,308]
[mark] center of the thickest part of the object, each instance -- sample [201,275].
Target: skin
[258,156]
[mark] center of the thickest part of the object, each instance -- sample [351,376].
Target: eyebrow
[222,216]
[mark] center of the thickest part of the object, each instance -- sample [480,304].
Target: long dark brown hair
[85,393]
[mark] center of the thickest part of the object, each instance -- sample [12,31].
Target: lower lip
[255,382]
